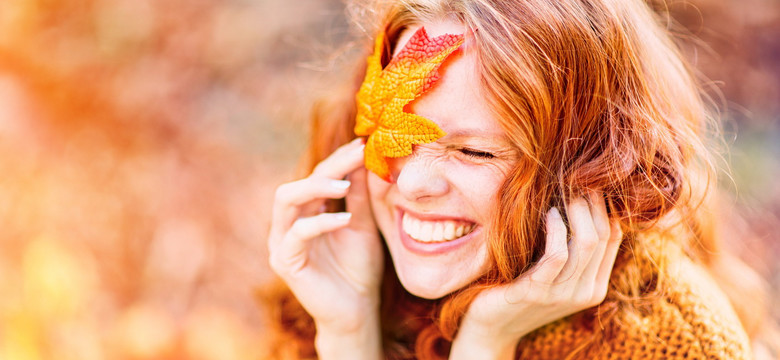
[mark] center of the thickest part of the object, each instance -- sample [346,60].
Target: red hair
[595,96]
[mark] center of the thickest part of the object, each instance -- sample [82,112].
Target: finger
[291,254]
[291,196]
[584,239]
[548,267]
[598,211]
[610,255]
[555,252]
[343,161]
[358,202]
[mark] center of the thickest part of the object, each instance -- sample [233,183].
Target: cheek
[378,190]
[479,185]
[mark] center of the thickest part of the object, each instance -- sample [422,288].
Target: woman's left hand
[567,279]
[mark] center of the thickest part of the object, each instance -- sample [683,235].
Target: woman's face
[435,212]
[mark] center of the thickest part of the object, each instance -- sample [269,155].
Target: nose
[419,176]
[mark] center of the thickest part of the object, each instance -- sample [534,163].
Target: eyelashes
[477,154]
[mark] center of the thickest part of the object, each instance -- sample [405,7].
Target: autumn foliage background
[141,140]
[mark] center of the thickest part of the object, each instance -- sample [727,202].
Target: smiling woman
[537,189]
[445,186]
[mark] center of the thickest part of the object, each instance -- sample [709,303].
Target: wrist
[352,318]
[362,341]
[472,342]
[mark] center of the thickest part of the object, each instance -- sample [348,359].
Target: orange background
[141,140]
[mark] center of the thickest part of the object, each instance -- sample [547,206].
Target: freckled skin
[438,178]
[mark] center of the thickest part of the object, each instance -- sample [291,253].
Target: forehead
[456,102]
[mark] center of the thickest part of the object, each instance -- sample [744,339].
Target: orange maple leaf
[391,131]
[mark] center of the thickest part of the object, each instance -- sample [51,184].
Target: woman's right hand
[332,262]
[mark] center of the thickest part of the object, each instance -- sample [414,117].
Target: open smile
[428,231]
[426,234]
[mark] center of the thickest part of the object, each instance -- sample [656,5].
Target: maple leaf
[391,131]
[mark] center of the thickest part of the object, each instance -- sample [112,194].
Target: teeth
[438,231]
[449,230]
[426,231]
[435,231]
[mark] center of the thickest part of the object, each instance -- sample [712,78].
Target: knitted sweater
[691,320]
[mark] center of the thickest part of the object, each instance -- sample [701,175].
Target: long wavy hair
[595,96]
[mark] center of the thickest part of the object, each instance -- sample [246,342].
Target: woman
[537,174]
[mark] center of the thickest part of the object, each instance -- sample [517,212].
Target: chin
[430,282]
[425,292]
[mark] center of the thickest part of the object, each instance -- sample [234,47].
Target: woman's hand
[332,262]
[567,279]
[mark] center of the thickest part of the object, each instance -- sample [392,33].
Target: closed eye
[477,153]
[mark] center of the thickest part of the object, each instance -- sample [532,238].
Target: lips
[419,234]
[431,231]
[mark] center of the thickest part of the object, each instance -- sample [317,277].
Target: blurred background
[141,142]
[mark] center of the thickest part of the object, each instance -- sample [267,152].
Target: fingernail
[343,216]
[340,184]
